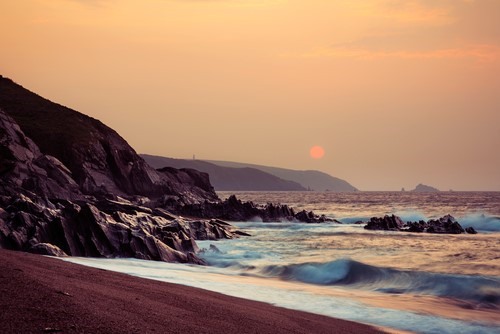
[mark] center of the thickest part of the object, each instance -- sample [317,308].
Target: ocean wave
[481,222]
[346,272]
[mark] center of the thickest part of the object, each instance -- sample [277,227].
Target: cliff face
[59,192]
[101,161]
[24,169]
[69,185]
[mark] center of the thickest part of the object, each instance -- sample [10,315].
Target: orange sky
[397,92]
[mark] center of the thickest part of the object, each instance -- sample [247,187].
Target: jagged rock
[101,162]
[76,198]
[72,182]
[24,169]
[470,230]
[88,231]
[110,206]
[304,216]
[446,224]
[46,249]
[387,223]
[418,227]
[233,209]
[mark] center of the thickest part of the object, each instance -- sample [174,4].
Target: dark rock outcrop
[24,169]
[43,210]
[46,249]
[444,225]
[101,162]
[72,186]
[86,230]
[387,223]
[470,230]
[233,209]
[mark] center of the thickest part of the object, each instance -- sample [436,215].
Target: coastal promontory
[71,185]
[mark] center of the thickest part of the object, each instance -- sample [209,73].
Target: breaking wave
[478,289]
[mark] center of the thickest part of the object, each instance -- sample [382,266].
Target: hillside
[228,178]
[100,160]
[70,185]
[309,179]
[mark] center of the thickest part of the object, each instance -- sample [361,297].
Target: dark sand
[40,294]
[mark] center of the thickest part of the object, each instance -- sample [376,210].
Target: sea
[397,281]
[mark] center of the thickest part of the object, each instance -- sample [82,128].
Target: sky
[396,93]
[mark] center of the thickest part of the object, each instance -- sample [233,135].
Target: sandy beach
[41,294]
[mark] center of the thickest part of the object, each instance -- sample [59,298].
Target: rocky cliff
[70,185]
[25,170]
[43,210]
[101,162]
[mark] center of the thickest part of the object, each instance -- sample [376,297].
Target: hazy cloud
[483,53]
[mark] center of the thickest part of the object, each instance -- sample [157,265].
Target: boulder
[387,223]
[46,249]
[470,230]
[446,224]
[418,227]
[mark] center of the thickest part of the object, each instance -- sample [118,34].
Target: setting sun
[316,152]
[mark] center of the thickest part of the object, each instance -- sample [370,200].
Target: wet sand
[40,294]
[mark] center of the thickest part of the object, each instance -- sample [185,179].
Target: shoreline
[42,294]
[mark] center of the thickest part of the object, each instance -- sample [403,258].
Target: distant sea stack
[422,188]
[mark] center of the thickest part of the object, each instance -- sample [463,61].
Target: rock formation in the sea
[422,188]
[444,225]
[69,185]
[387,223]
[234,209]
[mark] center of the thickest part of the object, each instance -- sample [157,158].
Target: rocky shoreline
[70,185]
